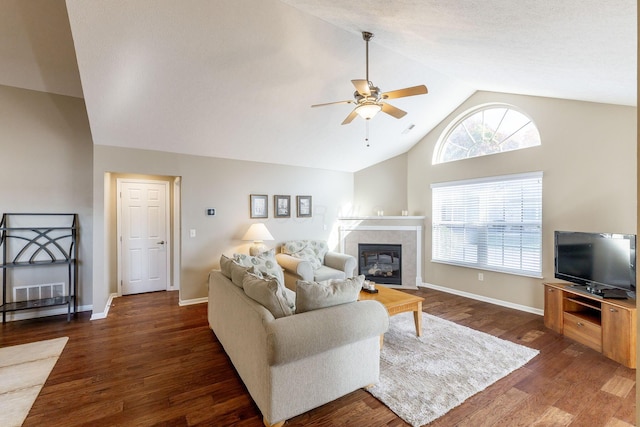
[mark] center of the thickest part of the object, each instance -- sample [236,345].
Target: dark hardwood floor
[153,363]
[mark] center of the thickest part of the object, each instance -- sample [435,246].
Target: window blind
[490,223]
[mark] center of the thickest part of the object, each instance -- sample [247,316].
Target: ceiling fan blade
[332,103]
[350,117]
[393,111]
[408,91]
[362,86]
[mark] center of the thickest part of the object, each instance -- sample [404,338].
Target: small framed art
[304,206]
[259,206]
[282,206]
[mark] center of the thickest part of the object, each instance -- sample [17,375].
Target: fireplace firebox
[380,263]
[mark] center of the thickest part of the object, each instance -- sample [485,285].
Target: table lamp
[258,233]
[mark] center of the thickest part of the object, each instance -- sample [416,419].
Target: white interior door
[144,235]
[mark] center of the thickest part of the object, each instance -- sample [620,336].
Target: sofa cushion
[225,265]
[268,292]
[266,263]
[314,295]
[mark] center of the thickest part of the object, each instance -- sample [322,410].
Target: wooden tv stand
[605,325]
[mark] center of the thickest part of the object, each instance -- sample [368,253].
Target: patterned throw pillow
[308,250]
[320,248]
[265,263]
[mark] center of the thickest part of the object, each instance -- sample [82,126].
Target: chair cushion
[327,273]
[315,295]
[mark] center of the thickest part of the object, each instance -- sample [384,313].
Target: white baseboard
[193,301]
[483,298]
[42,312]
[103,315]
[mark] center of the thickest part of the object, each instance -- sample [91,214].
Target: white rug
[422,378]
[23,371]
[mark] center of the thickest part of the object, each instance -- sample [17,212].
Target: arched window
[484,130]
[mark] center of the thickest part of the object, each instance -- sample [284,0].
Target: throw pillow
[307,254]
[225,265]
[303,249]
[320,248]
[268,293]
[314,295]
[237,273]
[265,262]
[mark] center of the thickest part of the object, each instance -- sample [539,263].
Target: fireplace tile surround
[406,231]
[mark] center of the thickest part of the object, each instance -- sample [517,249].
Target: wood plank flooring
[153,363]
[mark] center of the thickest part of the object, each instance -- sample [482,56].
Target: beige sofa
[312,260]
[293,364]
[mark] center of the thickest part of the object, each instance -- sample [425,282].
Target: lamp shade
[257,232]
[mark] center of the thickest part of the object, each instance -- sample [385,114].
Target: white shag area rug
[423,378]
[23,371]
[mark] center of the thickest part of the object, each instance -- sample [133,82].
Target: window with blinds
[490,223]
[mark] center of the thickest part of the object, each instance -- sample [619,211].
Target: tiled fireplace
[388,249]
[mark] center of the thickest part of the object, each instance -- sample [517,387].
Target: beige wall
[382,187]
[222,184]
[588,157]
[46,152]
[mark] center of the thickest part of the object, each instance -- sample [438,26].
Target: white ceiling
[235,79]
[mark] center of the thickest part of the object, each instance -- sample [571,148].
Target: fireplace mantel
[403,230]
[380,217]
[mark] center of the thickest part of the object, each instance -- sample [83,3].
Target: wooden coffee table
[397,302]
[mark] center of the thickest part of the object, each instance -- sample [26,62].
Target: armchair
[311,260]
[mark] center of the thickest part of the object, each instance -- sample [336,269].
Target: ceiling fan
[369,99]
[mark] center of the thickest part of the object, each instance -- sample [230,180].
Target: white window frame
[492,223]
[444,139]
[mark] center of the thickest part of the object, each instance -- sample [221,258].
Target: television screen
[596,259]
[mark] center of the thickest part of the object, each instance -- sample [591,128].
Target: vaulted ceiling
[236,78]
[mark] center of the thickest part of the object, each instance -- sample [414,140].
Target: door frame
[168,203]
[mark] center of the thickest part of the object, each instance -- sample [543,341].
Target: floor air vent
[28,293]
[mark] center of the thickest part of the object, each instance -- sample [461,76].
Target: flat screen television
[603,263]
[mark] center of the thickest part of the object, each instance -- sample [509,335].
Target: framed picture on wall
[282,206]
[259,206]
[304,206]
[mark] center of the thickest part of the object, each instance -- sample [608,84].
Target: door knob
[161,242]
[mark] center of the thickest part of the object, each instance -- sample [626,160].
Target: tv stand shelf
[607,326]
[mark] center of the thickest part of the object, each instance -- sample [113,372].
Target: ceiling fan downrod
[367,36]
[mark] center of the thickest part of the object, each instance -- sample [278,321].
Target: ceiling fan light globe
[367,111]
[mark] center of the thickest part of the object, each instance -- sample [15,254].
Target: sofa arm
[341,262]
[302,335]
[296,266]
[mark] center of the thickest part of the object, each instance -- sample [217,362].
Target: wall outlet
[211,211]
[480,277]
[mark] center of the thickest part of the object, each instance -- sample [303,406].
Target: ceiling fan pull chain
[366,134]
